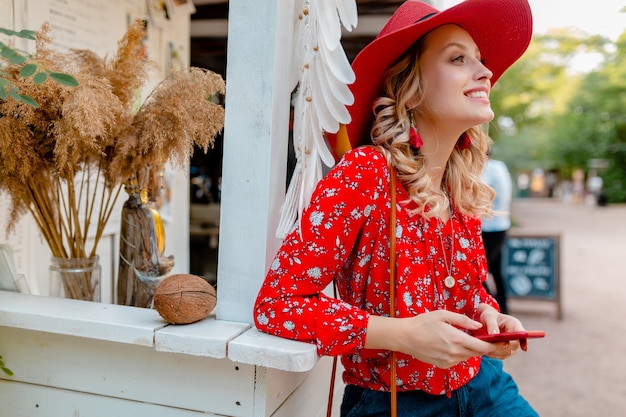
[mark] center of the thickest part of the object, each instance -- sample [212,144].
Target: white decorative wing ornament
[321,73]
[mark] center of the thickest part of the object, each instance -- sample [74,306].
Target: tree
[594,125]
[539,83]
[552,118]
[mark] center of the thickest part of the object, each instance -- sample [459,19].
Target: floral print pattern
[344,236]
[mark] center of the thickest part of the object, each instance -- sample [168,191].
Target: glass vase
[76,278]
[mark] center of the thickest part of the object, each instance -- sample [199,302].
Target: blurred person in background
[496,226]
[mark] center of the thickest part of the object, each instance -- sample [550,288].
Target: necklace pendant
[449,281]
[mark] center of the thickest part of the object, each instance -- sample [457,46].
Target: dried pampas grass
[66,161]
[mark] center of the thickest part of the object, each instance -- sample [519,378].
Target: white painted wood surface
[75,358]
[255,149]
[26,400]
[108,322]
[254,347]
[208,338]
[126,372]
[70,356]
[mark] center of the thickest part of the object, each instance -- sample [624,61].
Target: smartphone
[508,336]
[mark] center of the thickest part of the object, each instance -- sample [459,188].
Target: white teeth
[478,94]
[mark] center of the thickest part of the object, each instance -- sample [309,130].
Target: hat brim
[501,29]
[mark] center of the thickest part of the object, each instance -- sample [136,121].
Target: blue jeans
[492,393]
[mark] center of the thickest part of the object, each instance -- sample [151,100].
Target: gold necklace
[449,280]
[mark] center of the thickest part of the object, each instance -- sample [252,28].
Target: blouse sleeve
[291,303]
[484,296]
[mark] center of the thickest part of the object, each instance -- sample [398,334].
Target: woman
[427,78]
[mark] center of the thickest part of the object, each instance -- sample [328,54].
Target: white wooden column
[255,149]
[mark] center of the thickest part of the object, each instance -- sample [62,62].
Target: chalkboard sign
[531,267]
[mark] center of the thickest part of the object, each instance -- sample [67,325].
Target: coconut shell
[184,298]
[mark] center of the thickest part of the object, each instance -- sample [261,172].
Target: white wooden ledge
[91,320]
[210,337]
[73,357]
[256,348]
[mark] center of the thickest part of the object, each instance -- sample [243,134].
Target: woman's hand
[436,337]
[496,322]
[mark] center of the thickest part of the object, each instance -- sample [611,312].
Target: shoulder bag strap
[392,281]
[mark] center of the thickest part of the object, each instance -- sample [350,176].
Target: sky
[600,17]
[595,17]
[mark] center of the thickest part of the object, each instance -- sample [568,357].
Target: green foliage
[552,118]
[64,79]
[28,70]
[11,55]
[24,33]
[39,74]
[594,125]
[539,84]
[4,369]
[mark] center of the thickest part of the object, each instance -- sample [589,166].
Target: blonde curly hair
[390,132]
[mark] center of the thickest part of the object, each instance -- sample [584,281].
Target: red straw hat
[502,30]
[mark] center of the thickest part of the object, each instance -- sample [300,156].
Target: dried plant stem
[42,209]
[80,277]
[75,237]
[104,214]
[56,205]
[89,203]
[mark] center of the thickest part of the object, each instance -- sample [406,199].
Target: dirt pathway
[579,369]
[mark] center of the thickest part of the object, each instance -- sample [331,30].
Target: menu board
[531,265]
[82,24]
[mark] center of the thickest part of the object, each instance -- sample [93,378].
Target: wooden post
[260,45]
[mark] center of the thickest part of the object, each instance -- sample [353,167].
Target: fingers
[505,350]
[514,346]
[459,320]
[498,323]
[455,354]
[502,351]
[524,344]
[441,337]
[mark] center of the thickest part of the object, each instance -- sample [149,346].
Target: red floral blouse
[344,235]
